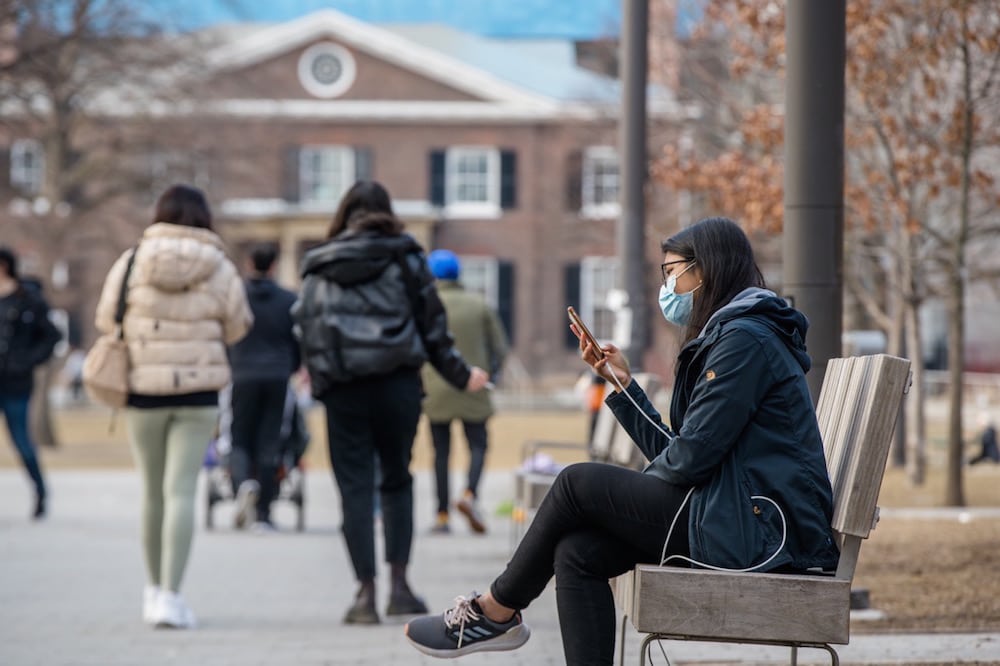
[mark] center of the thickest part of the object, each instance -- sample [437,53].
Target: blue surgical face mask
[676,308]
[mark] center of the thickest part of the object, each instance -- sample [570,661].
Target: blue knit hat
[444,264]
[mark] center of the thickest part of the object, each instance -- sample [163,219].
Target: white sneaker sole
[511,640]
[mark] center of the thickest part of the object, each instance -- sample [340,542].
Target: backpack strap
[412,289]
[123,292]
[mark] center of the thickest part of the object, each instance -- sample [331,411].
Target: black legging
[596,522]
[475,436]
[258,410]
[369,417]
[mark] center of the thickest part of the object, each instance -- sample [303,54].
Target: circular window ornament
[326,70]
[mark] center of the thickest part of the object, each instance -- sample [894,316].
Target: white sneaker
[150,595]
[246,504]
[172,613]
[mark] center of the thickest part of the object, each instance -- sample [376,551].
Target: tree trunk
[896,343]
[954,493]
[916,457]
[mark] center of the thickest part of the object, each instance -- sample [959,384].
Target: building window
[325,174]
[493,279]
[27,166]
[326,70]
[597,279]
[472,182]
[480,275]
[599,180]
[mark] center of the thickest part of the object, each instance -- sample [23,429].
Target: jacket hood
[768,308]
[173,257]
[356,256]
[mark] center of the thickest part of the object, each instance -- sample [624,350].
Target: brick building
[500,150]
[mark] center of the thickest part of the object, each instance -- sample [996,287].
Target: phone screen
[580,326]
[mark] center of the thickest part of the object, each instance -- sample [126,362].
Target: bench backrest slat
[857,413]
[599,446]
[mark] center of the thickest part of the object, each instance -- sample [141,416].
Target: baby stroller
[294,440]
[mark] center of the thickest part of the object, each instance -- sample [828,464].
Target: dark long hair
[184,205]
[366,205]
[723,254]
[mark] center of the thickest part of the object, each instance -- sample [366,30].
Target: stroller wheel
[209,513]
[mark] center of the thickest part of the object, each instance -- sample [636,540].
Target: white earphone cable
[664,558]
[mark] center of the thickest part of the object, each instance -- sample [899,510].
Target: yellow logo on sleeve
[710,375]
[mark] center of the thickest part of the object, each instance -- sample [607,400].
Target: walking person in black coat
[27,339]
[262,364]
[368,316]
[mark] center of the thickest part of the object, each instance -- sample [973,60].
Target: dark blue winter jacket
[744,427]
[269,351]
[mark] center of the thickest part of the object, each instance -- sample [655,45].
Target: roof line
[375,41]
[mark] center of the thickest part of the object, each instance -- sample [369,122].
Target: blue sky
[574,19]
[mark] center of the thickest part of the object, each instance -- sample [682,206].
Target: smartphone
[574,318]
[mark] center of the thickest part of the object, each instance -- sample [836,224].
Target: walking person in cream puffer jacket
[185,303]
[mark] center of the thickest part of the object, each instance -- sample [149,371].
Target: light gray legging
[169,445]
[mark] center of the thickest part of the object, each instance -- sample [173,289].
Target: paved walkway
[70,590]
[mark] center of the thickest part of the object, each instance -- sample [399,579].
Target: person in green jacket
[481,340]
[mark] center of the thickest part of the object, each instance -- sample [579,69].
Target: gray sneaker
[465,629]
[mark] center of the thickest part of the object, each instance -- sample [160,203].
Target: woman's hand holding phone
[607,361]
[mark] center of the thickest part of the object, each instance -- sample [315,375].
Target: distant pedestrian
[368,316]
[480,338]
[988,442]
[27,339]
[262,364]
[185,302]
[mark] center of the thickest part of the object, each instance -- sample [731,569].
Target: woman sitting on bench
[739,483]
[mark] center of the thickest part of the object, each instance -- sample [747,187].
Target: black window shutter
[290,180]
[505,297]
[363,167]
[571,290]
[437,176]
[574,181]
[508,179]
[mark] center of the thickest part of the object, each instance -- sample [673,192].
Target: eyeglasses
[664,272]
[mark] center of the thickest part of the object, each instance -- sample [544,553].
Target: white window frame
[28,179]
[590,301]
[308,178]
[481,275]
[457,207]
[592,157]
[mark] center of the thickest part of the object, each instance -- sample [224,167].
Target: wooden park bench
[857,412]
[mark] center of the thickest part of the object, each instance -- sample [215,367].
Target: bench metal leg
[621,641]
[649,638]
[644,647]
